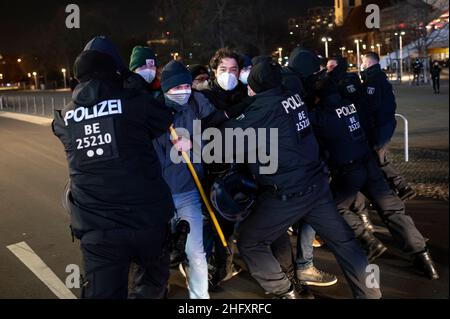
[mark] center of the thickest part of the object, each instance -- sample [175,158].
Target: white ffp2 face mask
[181,97]
[147,74]
[243,77]
[227,81]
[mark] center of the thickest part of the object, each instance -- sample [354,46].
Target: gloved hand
[178,243]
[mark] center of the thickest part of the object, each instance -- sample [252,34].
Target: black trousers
[270,221]
[436,84]
[369,180]
[394,177]
[107,256]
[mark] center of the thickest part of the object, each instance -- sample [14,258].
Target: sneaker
[317,243]
[316,277]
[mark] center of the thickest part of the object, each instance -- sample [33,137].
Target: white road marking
[41,270]
[40,120]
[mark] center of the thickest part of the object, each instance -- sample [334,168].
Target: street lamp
[379,49]
[401,34]
[64,76]
[19,60]
[326,40]
[35,80]
[358,57]
[280,56]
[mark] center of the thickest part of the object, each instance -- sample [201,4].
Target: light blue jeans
[189,208]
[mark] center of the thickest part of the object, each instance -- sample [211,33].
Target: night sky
[23,24]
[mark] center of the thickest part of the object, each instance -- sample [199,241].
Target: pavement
[33,172]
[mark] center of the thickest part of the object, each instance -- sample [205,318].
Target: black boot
[373,247]
[368,226]
[178,243]
[291,294]
[424,262]
[406,193]
[302,290]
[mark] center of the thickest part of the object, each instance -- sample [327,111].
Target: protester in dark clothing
[227,94]
[143,62]
[200,76]
[417,67]
[119,203]
[436,77]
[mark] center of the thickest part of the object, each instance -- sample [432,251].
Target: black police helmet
[233,196]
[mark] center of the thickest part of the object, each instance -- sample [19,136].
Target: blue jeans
[305,239]
[189,208]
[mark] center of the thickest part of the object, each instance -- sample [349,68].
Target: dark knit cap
[94,64]
[246,61]
[197,69]
[174,74]
[139,57]
[104,45]
[265,76]
[304,62]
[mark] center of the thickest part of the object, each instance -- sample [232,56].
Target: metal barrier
[41,105]
[406,135]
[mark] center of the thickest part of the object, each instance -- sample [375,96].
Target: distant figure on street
[417,67]
[436,77]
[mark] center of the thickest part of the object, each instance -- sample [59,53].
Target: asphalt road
[33,173]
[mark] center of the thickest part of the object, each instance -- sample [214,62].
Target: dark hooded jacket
[107,133]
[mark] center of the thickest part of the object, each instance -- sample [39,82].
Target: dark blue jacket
[299,165]
[178,176]
[338,129]
[382,105]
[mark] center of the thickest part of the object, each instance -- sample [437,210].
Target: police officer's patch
[94,141]
[351,88]
[370,90]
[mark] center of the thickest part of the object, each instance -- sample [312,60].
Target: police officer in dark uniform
[351,89]
[119,204]
[382,107]
[353,169]
[297,189]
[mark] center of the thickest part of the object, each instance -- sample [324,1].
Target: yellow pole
[200,188]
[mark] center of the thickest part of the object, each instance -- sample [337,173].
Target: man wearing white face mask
[225,90]
[143,62]
[186,105]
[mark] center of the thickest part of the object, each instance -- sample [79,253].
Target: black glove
[178,243]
